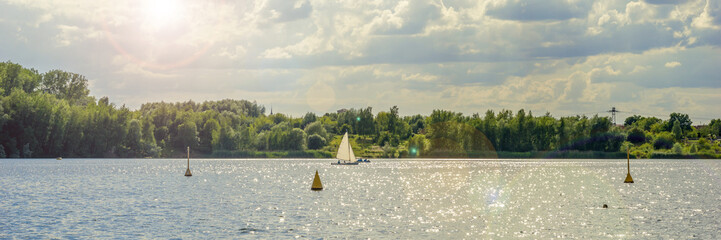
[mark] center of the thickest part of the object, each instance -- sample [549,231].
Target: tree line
[52,114]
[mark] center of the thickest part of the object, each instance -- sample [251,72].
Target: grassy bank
[272,154]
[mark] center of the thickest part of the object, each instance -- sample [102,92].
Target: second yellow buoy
[187,171]
[629,179]
[317,186]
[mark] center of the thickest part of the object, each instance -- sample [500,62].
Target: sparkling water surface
[407,199]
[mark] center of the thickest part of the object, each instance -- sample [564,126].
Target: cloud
[713,10]
[524,10]
[276,53]
[286,11]
[672,64]
[665,1]
[562,56]
[69,34]
[404,18]
[682,68]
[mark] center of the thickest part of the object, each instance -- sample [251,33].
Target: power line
[613,112]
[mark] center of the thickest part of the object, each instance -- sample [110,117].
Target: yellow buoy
[317,186]
[629,179]
[187,171]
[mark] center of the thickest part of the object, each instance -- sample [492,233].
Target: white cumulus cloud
[672,64]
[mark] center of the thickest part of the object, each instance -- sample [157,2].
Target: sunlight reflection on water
[137,198]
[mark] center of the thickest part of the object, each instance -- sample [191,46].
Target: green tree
[417,145]
[317,129]
[562,130]
[417,123]
[443,129]
[636,135]
[246,137]
[489,128]
[677,148]
[30,123]
[57,130]
[278,137]
[630,121]
[715,127]
[308,118]
[544,133]
[162,134]
[187,135]
[647,123]
[4,117]
[27,153]
[676,130]
[683,119]
[346,128]
[226,139]
[72,87]
[14,76]
[389,151]
[209,133]
[261,141]
[315,141]
[148,131]
[278,118]
[393,121]
[658,127]
[365,125]
[389,121]
[599,134]
[72,141]
[703,144]
[581,131]
[521,126]
[133,138]
[614,140]
[663,140]
[296,139]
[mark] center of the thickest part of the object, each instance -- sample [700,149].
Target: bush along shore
[52,114]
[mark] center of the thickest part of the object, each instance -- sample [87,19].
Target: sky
[565,57]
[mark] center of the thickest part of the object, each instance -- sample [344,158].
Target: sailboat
[345,153]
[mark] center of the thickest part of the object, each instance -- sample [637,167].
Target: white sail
[345,152]
[352,154]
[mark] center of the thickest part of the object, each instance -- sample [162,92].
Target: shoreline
[317,154]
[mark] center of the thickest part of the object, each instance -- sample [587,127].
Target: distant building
[342,110]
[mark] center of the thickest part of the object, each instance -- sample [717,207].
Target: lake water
[407,199]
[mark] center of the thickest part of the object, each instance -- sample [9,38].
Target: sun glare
[165,34]
[163,12]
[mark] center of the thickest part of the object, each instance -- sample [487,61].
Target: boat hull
[351,163]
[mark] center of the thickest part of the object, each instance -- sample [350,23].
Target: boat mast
[349,149]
